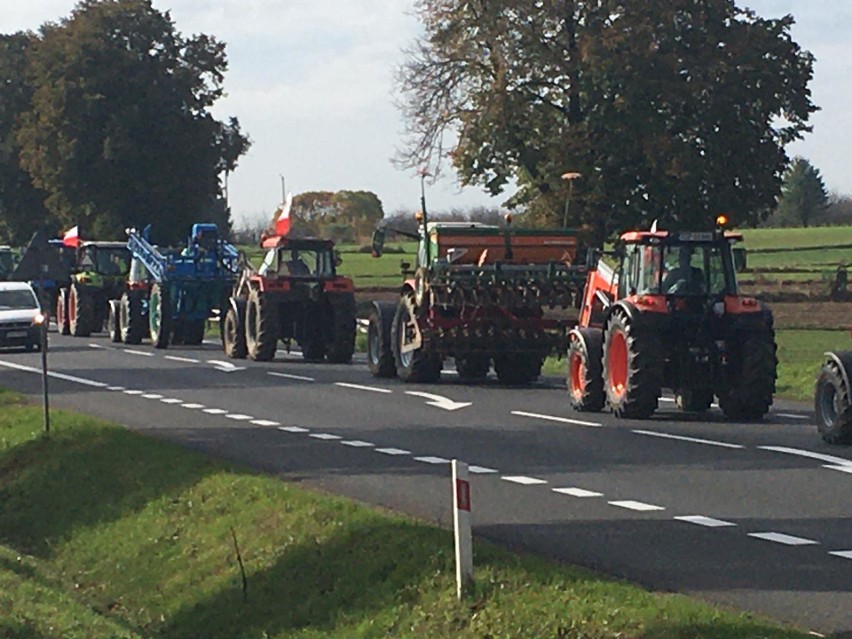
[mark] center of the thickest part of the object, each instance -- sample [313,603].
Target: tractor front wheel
[379,351]
[113,322]
[585,377]
[261,327]
[131,318]
[343,336]
[632,369]
[81,310]
[833,401]
[160,316]
[234,333]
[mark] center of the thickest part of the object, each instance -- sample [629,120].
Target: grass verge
[104,533]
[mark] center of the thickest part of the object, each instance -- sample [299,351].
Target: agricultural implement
[97,278]
[669,315]
[172,293]
[481,294]
[295,296]
[833,399]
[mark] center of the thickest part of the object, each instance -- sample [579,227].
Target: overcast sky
[311,81]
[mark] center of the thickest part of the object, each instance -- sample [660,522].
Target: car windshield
[15,300]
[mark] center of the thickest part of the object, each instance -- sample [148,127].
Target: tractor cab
[683,264]
[299,258]
[105,259]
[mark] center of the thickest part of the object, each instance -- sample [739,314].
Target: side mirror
[405,266]
[740,260]
[378,242]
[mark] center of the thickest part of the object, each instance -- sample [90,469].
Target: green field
[108,534]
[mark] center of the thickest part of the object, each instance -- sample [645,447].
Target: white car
[20,316]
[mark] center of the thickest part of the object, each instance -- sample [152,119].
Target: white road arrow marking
[225,367]
[438,401]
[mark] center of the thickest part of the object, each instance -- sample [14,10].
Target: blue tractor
[172,293]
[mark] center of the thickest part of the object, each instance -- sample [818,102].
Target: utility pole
[570,177]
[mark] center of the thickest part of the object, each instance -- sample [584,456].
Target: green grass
[797,237]
[104,533]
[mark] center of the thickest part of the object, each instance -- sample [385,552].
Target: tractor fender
[843,359]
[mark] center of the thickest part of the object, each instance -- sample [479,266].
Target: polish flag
[282,224]
[72,237]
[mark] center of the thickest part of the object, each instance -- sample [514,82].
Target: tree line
[105,123]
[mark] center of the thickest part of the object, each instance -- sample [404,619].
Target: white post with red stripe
[462,528]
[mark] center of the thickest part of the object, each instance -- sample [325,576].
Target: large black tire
[233,331]
[113,323]
[81,311]
[379,351]
[160,316]
[342,344]
[694,400]
[585,370]
[473,368]
[63,326]
[632,368]
[261,327]
[518,369]
[418,365]
[751,384]
[833,400]
[131,319]
[193,332]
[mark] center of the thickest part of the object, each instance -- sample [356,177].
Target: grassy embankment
[104,533]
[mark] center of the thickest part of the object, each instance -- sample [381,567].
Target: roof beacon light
[722,220]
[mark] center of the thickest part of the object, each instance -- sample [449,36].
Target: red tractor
[670,315]
[295,296]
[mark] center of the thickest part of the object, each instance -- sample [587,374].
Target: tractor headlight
[719,309]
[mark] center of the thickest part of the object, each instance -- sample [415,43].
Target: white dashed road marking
[843,554]
[393,451]
[265,422]
[192,406]
[215,411]
[636,505]
[239,417]
[371,389]
[185,360]
[325,436]
[524,481]
[787,540]
[842,469]
[152,396]
[828,459]
[300,378]
[708,522]
[432,460]
[551,418]
[142,353]
[116,388]
[792,416]
[357,443]
[172,400]
[693,440]
[577,492]
[482,470]
[133,392]
[98,346]
[293,429]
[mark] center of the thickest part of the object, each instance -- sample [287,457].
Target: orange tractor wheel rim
[577,369]
[618,364]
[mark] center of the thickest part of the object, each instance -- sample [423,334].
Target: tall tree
[22,209]
[668,109]
[120,133]
[804,198]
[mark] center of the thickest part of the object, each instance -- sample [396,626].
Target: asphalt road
[753,516]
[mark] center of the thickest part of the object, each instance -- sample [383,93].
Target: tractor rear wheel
[749,393]
[131,318]
[193,332]
[261,327]
[62,324]
[234,333]
[632,369]
[113,322]
[473,368]
[343,336]
[81,310]
[412,364]
[379,351]
[833,402]
[518,369]
[160,316]
[585,376]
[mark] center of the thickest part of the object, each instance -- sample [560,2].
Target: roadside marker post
[462,528]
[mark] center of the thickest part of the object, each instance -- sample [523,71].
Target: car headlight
[39,319]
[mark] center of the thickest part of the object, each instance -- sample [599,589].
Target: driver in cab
[684,278]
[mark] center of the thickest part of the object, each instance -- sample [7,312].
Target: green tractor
[99,276]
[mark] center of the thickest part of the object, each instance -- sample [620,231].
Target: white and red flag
[72,237]
[282,224]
